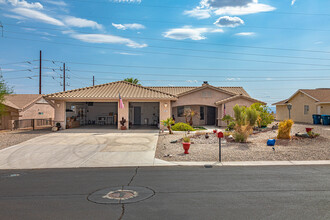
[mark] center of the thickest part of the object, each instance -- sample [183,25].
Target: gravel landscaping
[10,138]
[256,149]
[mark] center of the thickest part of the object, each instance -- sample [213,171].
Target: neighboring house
[20,107]
[305,103]
[145,105]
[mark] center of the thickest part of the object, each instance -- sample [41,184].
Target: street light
[289,106]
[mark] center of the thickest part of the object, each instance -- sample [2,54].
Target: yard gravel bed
[10,138]
[256,149]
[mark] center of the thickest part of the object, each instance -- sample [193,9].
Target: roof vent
[205,83]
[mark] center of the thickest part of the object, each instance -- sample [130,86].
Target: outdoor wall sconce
[165,105]
[58,105]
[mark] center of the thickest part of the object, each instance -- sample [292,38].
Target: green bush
[182,127]
[265,117]
[231,126]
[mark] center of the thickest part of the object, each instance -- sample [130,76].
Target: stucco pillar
[164,111]
[60,114]
[220,116]
[123,112]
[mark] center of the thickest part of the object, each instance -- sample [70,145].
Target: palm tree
[168,123]
[132,80]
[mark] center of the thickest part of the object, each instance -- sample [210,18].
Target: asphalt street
[263,192]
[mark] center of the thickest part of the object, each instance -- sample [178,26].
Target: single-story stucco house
[305,103]
[145,105]
[23,108]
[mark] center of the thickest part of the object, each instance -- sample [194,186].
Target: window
[306,109]
[201,112]
[180,111]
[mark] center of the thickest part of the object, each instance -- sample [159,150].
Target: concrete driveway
[83,148]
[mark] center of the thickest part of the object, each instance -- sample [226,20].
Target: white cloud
[81,22]
[58,3]
[129,1]
[129,54]
[188,32]
[191,81]
[106,38]
[233,7]
[14,16]
[227,21]
[293,1]
[198,13]
[245,34]
[36,15]
[133,26]
[24,4]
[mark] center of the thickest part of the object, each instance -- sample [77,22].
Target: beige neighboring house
[21,108]
[145,105]
[305,103]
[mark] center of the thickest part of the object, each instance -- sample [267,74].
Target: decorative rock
[173,142]
[54,129]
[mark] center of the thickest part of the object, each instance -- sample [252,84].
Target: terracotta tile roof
[177,90]
[237,97]
[322,95]
[283,102]
[20,101]
[111,91]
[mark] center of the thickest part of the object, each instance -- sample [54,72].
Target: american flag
[121,104]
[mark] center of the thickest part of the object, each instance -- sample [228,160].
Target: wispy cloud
[133,26]
[246,34]
[192,81]
[37,15]
[23,3]
[106,38]
[57,3]
[227,21]
[129,54]
[188,32]
[293,1]
[129,1]
[198,13]
[81,22]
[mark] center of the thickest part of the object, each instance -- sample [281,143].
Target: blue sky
[271,48]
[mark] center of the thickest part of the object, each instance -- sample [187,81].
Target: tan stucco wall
[282,112]
[325,109]
[164,111]
[60,113]
[33,112]
[297,112]
[196,98]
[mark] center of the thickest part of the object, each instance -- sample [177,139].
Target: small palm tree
[168,123]
[132,80]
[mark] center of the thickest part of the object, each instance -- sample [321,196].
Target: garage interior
[141,114]
[91,113]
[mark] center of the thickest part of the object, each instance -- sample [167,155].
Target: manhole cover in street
[121,195]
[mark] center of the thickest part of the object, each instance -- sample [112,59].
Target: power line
[209,51]
[27,61]
[184,68]
[189,75]
[13,71]
[173,54]
[190,42]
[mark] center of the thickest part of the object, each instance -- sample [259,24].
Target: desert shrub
[265,117]
[168,123]
[182,127]
[245,119]
[227,119]
[227,133]
[231,126]
[186,139]
[284,129]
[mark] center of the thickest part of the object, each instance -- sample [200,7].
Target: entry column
[123,112]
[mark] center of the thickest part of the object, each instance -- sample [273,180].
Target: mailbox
[220,134]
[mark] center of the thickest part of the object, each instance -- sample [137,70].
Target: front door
[210,115]
[137,115]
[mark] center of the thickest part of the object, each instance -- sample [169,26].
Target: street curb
[244,163]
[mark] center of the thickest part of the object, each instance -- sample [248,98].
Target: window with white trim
[306,109]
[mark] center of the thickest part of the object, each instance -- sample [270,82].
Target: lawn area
[255,149]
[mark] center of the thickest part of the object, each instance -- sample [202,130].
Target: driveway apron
[83,148]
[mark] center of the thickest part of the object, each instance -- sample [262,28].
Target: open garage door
[144,115]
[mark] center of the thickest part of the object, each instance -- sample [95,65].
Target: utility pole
[93,81]
[40,73]
[63,77]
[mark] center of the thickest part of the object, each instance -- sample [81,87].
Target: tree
[245,119]
[264,116]
[189,114]
[168,123]
[4,90]
[132,80]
